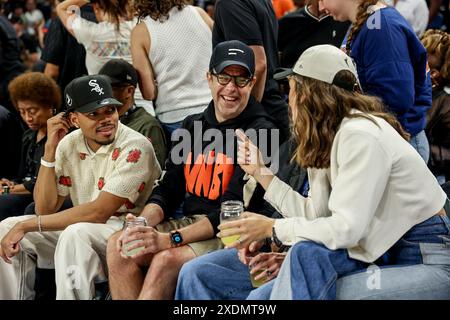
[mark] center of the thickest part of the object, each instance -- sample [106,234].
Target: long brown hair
[116,10]
[361,17]
[437,43]
[157,9]
[319,110]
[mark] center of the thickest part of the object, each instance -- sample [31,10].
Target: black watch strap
[275,239]
[175,238]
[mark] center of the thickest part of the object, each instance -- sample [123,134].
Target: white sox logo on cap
[68,100]
[95,86]
[233,52]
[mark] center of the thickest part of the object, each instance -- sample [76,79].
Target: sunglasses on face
[225,79]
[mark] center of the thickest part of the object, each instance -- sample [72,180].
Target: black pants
[14,204]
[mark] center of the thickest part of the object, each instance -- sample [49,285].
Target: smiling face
[34,115]
[230,100]
[99,127]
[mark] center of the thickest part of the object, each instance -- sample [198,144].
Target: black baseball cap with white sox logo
[89,93]
[230,53]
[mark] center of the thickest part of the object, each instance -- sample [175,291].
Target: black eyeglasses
[225,79]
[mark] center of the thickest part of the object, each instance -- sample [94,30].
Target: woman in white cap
[372,198]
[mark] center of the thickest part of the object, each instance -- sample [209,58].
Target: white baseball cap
[322,63]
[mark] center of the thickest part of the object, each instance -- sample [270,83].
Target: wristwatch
[275,239]
[176,239]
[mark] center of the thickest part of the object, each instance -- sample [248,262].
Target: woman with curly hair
[437,43]
[171,48]
[391,62]
[108,39]
[37,98]
[364,205]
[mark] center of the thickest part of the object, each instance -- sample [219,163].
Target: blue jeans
[314,269]
[218,275]
[420,143]
[221,276]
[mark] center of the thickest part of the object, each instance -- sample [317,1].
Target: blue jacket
[392,64]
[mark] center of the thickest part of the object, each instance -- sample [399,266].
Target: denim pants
[218,275]
[420,143]
[221,276]
[314,269]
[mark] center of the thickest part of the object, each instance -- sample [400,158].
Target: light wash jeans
[420,143]
[221,276]
[310,270]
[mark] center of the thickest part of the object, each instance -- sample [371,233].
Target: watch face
[176,238]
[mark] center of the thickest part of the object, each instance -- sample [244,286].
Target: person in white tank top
[108,39]
[171,48]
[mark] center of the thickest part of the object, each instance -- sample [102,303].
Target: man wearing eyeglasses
[202,172]
[107,170]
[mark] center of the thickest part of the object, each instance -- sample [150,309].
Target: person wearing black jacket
[11,136]
[201,172]
[10,63]
[36,97]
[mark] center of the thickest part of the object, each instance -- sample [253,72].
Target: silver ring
[268,273]
[239,240]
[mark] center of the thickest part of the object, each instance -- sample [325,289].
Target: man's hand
[152,240]
[57,128]
[10,243]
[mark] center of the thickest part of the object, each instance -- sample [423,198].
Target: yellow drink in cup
[260,282]
[230,211]
[230,239]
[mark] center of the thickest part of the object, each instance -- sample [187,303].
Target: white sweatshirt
[376,189]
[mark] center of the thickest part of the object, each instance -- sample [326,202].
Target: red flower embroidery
[65,181]
[83,156]
[101,183]
[115,154]
[134,156]
[141,187]
[129,205]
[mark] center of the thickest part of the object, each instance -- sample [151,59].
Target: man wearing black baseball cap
[124,78]
[107,170]
[203,175]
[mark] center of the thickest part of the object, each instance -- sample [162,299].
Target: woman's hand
[249,251]
[270,263]
[249,157]
[251,227]
[251,160]
[6,182]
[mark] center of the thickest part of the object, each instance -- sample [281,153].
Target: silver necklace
[87,146]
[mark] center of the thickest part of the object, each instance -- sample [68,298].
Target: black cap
[89,93]
[230,53]
[120,72]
